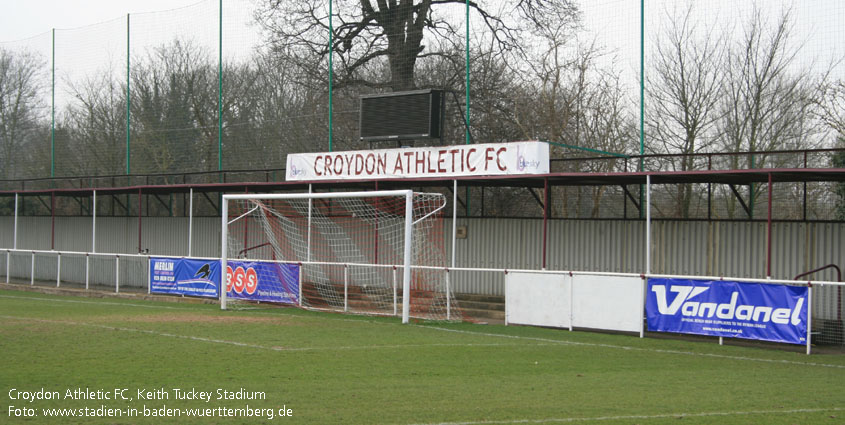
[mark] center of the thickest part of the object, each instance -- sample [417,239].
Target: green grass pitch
[321,368]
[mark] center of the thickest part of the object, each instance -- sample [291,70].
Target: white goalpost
[337,251]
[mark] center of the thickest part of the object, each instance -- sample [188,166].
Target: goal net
[376,252]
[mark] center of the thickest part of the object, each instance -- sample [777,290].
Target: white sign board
[613,303]
[537,299]
[608,302]
[491,159]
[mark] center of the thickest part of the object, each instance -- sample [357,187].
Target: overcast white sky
[819,26]
[26,18]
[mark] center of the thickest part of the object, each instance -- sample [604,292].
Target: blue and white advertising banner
[263,281]
[185,276]
[758,311]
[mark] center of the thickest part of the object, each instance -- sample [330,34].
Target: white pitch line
[626,347]
[441,329]
[245,344]
[628,417]
[94,302]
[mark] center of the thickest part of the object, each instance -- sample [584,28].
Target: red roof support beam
[769,233]
[545,217]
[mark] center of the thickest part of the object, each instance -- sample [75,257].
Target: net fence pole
[642,96]
[406,273]
[128,99]
[331,75]
[32,270]
[53,110]
[220,87]
[224,215]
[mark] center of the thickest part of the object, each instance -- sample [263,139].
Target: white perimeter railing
[89,256]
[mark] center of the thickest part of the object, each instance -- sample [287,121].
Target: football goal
[360,252]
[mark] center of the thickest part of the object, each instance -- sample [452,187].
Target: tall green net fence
[233,86]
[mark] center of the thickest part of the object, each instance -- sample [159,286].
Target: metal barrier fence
[115,271]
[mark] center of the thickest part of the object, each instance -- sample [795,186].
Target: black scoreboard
[409,115]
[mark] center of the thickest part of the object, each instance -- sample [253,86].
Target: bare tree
[568,98]
[96,127]
[166,134]
[766,92]
[21,108]
[291,117]
[832,105]
[393,34]
[175,109]
[683,91]
[767,97]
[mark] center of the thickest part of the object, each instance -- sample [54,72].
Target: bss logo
[241,280]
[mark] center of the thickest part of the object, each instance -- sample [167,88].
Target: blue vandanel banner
[263,281]
[185,276]
[758,311]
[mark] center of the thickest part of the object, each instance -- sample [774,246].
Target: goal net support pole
[406,275]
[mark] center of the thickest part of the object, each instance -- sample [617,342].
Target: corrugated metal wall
[736,249]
